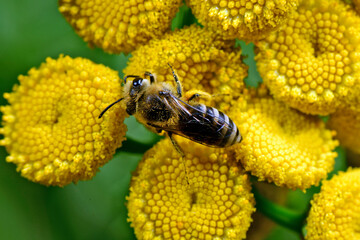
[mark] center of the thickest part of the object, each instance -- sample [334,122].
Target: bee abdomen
[222,131]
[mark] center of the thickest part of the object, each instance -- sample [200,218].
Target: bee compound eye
[137,82]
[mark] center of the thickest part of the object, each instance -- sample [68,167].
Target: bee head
[138,85]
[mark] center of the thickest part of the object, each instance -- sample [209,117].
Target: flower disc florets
[51,127]
[210,200]
[313,62]
[199,58]
[282,145]
[244,19]
[119,26]
[335,211]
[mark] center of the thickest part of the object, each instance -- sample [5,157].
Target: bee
[159,106]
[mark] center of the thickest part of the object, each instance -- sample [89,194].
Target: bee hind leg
[179,150]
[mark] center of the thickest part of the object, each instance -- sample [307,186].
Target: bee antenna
[107,108]
[130,76]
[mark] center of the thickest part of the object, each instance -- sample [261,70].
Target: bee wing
[201,124]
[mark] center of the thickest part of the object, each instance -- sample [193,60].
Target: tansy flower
[119,26]
[51,127]
[335,211]
[312,63]
[282,145]
[200,60]
[215,204]
[346,123]
[245,19]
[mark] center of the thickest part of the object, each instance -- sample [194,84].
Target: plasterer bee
[159,107]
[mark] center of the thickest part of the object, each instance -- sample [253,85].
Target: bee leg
[178,85]
[196,94]
[152,77]
[178,149]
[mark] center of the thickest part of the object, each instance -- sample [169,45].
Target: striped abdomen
[209,126]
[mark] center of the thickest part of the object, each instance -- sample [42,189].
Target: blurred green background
[30,31]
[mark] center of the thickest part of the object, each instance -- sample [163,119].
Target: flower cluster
[51,126]
[216,203]
[54,135]
[335,211]
[312,63]
[200,59]
[249,20]
[119,26]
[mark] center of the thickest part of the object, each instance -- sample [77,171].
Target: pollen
[119,26]
[250,20]
[210,200]
[51,128]
[198,57]
[335,211]
[312,62]
[282,145]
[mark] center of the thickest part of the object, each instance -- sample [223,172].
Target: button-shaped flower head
[216,203]
[119,26]
[313,62]
[199,58]
[245,19]
[335,211]
[282,145]
[51,127]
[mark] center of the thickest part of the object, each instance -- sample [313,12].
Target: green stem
[285,217]
[183,18]
[133,146]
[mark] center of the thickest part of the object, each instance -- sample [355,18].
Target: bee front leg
[152,77]
[194,95]
[178,85]
[179,150]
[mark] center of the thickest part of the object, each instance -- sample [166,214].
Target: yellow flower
[245,19]
[282,145]
[346,123]
[216,204]
[200,60]
[312,63]
[51,127]
[335,211]
[119,26]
